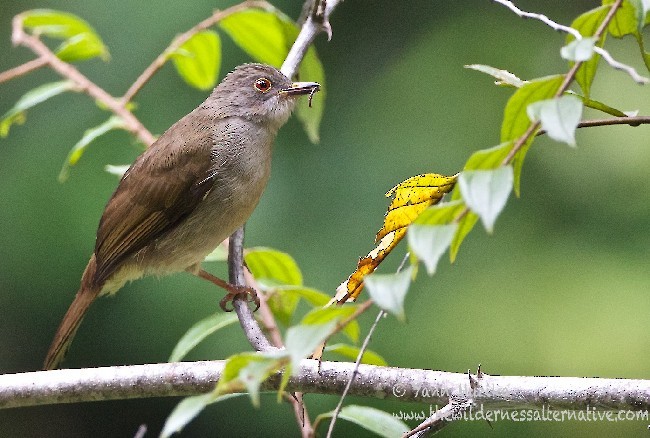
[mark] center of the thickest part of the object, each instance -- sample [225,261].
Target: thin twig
[631,121]
[22,69]
[568,79]
[131,123]
[620,66]
[559,27]
[184,37]
[441,418]
[355,370]
[570,76]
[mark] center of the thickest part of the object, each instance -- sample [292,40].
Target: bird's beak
[298,88]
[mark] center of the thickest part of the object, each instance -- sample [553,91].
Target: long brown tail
[73,317]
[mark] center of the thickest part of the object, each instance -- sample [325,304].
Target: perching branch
[410,385]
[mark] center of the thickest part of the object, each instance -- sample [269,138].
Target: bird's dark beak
[301,88]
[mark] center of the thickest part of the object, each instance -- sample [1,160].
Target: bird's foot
[249,294]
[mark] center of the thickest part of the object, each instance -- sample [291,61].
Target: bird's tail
[88,292]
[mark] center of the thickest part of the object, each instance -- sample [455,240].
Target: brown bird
[189,191]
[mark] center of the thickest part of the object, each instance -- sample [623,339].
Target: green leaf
[336,314]
[389,290]
[503,77]
[429,242]
[597,105]
[301,340]
[31,99]
[187,410]
[559,117]
[486,192]
[440,214]
[645,55]
[184,412]
[579,50]
[270,265]
[229,381]
[374,420]
[311,69]
[255,373]
[265,35]
[515,120]
[284,299]
[491,158]
[369,357]
[117,170]
[82,46]
[282,305]
[80,39]
[587,24]
[199,332]
[314,297]
[114,122]
[465,225]
[198,60]
[626,21]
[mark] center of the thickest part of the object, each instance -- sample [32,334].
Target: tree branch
[132,124]
[22,69]
[357,363]
[559,27]
[410,385]
[182,38]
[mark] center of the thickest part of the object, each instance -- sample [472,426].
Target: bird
[186,193]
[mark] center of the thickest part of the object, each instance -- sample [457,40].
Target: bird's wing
[162,187]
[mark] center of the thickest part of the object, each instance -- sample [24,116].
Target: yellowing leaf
[411,197]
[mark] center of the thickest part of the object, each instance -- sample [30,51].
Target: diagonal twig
[132,124]
[22,69]
[177,42]
[559,27]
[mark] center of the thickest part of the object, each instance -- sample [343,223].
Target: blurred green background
[561,288]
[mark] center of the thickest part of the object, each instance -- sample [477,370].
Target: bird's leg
[233,290]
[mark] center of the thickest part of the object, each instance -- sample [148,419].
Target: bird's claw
[249,295]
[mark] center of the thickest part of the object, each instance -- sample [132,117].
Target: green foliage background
[561,288]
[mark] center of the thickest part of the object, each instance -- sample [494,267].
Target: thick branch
[411,385]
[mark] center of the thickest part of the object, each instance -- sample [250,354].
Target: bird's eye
[262,85]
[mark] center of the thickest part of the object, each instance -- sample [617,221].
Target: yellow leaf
[411,197]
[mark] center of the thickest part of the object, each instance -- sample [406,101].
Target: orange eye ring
[262,85]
